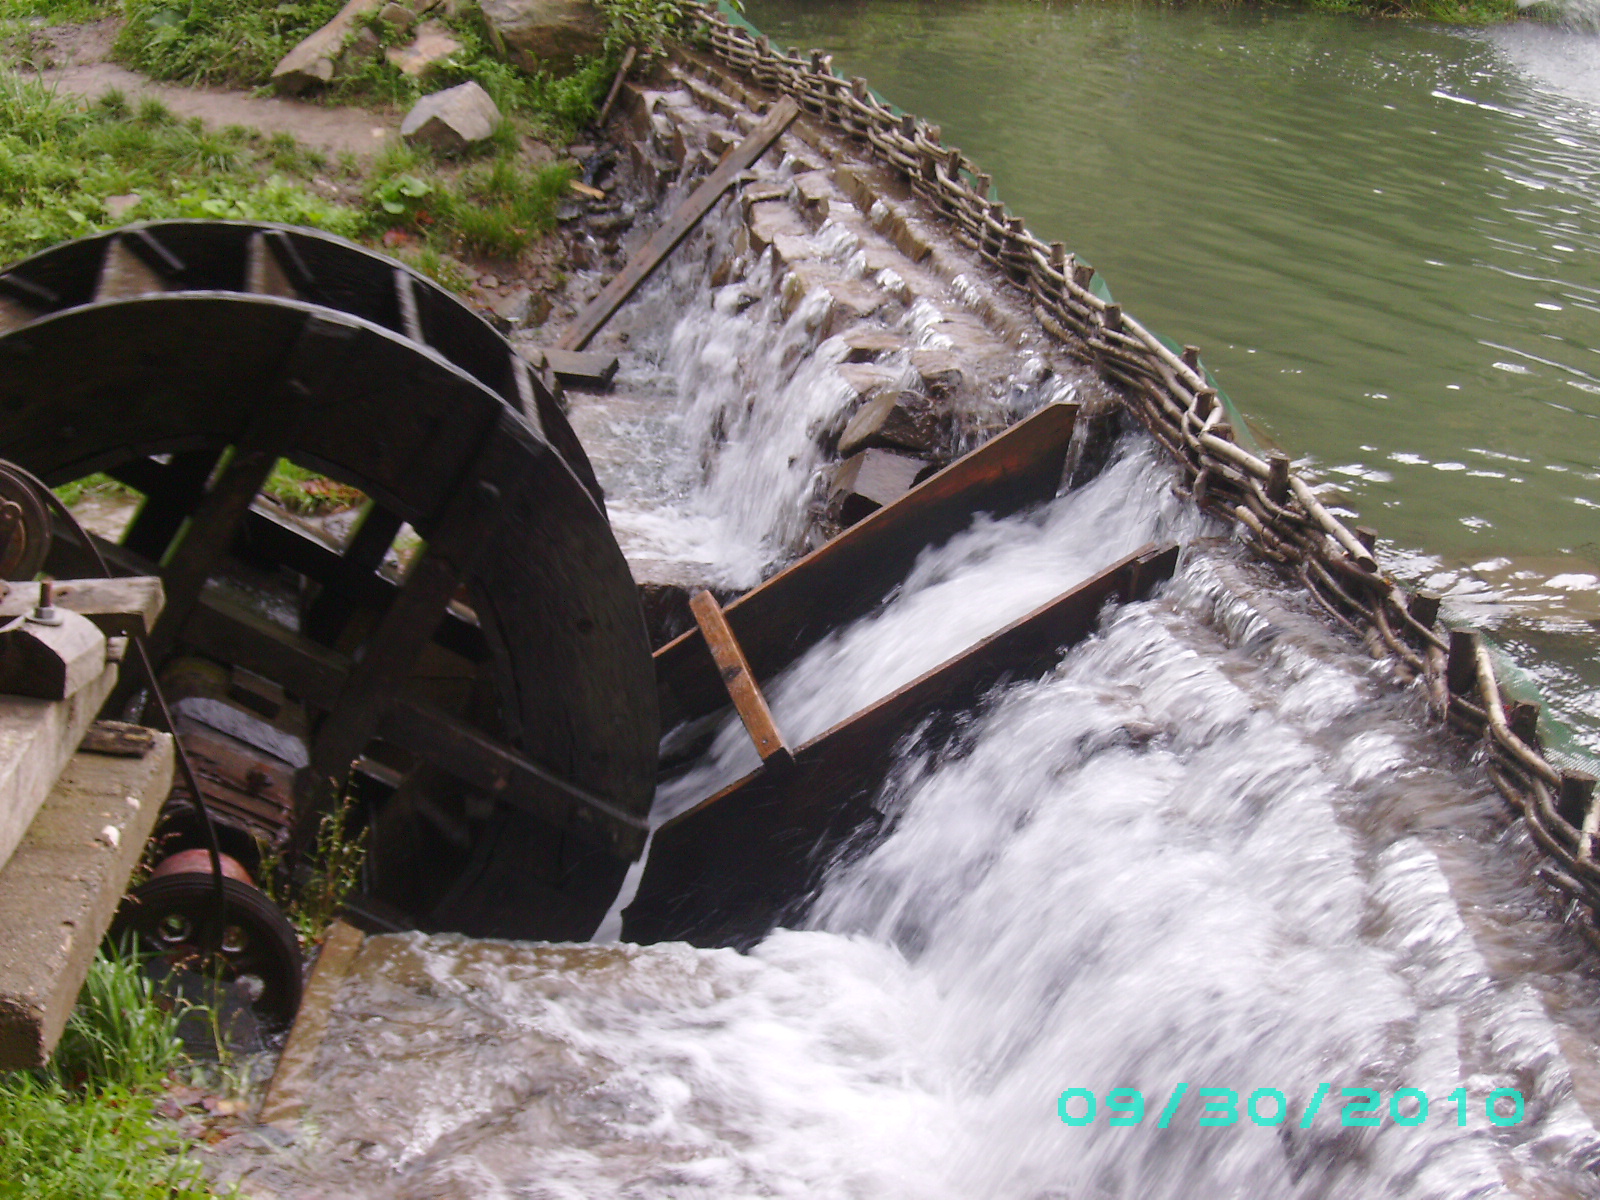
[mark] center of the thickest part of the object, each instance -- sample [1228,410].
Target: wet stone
[772,218]
[867,481]
[940,371]
[903,420]
[867,344]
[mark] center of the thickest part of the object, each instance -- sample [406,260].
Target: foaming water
[1212,846]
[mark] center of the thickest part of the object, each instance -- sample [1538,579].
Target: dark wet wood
[779,620]
[678,226]
[320,348]
[118,739]
[363,555]
[509,777]
[743,690]
[469,523]
[227,631]
[728,870]
[171,493]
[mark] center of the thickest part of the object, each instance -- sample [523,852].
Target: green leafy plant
[87,1124]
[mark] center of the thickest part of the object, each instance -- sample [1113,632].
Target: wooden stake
[616,85]
[741,683]
[677,227]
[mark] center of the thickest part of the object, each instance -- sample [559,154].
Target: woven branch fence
[1168,392]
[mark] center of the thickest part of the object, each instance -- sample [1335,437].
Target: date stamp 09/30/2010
[1220,1106]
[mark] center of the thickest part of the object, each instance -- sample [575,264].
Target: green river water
[1384,236]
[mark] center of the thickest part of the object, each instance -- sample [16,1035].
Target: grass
[61,161]
[305,492]
[87,1125]
[94,485]
[497,209]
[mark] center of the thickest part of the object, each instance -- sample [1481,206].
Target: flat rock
[901,420]
[869,343]
[771,218]
[867,481]
[311,64]
[432,44]
[544,35]
[398,16]
[867,379]
[452,120]
[940,370]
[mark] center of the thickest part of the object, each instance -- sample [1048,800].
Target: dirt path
[78,56]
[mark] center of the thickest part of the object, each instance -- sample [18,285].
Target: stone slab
[287,1093]
[37,737]
[59,891]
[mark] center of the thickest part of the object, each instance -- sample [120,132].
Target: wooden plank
[743,690]
[678,226]
[118,607]
[225,630]
[843,579]
[727,870]
[510,778]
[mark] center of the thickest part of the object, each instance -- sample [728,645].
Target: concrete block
[60,890]
[50,660]
[37,737]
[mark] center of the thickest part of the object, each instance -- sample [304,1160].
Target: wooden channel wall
[1282,519]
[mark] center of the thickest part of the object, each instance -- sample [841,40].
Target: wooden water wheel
[502,688]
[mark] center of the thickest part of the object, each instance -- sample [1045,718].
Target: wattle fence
[1169,392]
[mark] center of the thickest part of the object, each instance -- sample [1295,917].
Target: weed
[86,1124]
[436,266]
[334,871]
[93,485]
[306,492]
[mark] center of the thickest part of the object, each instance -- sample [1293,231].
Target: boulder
[544,35]
[452,120]
[432,44]
[311,63]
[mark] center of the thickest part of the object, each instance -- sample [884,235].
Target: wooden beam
[322,343]
[363,555]
[727,870]
[463,530]
[229,632]
[118,607]
[509,777]
[776,622]
[677,227]
[743,690]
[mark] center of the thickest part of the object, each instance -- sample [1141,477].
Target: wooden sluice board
[727,871]
[779,620]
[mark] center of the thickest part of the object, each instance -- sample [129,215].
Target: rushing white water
[1214,846]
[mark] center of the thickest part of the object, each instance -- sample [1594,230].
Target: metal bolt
[45,612]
